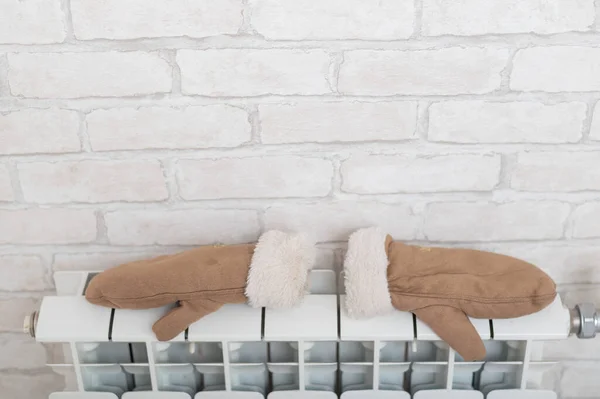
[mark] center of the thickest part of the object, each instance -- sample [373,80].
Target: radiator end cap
[29,324]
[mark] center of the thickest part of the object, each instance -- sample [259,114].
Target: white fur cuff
[365,274]
[278,276]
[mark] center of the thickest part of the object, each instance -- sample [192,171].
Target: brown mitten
[441,286]
[271,273]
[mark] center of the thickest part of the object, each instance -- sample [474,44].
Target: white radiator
[313,351]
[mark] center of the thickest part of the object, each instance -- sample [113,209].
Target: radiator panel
[312,351]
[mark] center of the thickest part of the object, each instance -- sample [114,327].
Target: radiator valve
[585,320]
[29,324]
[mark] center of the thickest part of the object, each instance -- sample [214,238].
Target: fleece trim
[365,274]
[278,276]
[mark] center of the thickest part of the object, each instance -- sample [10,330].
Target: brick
[552,258]
[242,72]
[99,261]
[513,122]
[483,221]
[181,227]
[578,293]
[546,379]
[579,379]
[6,191]
[92,181]
[31,131]
[23,273]
[556,171]
[265,177]
[14,311]
[423,72]
[336,221]
[21,352]
[556,69]
[134,19]
[473,17]
[585,220]
[32,22]
[595,129]
[387,174]
[572,348]
[334,19]
[94,74]
[337,122]
[47,226]
[30,386]
[168,128]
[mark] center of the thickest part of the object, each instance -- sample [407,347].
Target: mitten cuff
[278,276]
[365,274]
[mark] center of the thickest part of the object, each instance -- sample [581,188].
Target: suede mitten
[271,273]
[441,286]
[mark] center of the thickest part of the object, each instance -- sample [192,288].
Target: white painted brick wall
[336,221]
[254,177]
[181,227]
[89,74]
[585,220]
[254,72]
[579,379]
[168,128]
[426,72]
[506,122]
[32,21]
[333,19]
[474,17]
[556,69]
[30,385]
[135,19]
[486,221]
[23,273]
[322,122]
[595,129]
[47,226]
[13,346]
[3,76]
[6,190]
[381,174]
[29,131]
[557,171]
[92,181]
[131,129]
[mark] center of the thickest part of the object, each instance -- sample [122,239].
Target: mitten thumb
[178,319]
[454,327]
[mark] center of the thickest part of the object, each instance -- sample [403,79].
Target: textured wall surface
[131,128]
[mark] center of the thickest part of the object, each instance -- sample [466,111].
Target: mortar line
[101,229]
[82,132]
[69,26]
[13,173]
[593,107]
[418,20]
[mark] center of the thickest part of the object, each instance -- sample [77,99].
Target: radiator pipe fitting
[585,321]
